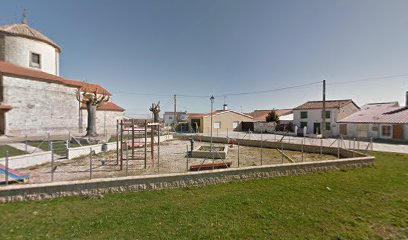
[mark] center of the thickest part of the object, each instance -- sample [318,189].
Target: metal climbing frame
[130,136]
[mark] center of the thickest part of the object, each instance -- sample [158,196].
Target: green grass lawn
[369,203]
[11,151]
[58,146]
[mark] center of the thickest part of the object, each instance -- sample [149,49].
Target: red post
[152,144]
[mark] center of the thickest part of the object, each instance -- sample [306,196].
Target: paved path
[349,144]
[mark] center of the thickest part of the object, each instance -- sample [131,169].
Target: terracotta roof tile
[329,104]
[14,70]
[17,71]
[106,106]
[379,113]
[23,30]
[260,115]
[5,107]
[199,115]
[87,87]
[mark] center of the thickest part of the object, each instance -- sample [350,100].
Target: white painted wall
[105,121]
[27,160]
[17,50]
[169,118]
[406,131]
[315,116]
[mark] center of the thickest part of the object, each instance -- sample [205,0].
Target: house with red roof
[386,121]
[308,116]
[34,98]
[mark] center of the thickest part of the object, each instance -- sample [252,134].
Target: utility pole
[323,125]
[175,112]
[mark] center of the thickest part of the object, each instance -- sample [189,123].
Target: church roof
[12,70]
[106,106]
[87,87]
[23,30]
[17,71]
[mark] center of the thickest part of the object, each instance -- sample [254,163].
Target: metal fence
[167,155]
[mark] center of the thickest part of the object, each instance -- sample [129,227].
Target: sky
[147,51]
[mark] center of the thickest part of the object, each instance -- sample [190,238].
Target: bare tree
[155,109]
[92,101]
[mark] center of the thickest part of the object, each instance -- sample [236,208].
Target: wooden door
[343,129]
[398,131]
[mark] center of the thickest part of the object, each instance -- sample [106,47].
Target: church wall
[18,51]
[102,117]
[39,107]
[2,48]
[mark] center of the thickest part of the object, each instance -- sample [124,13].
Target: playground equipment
[132,135]
[12,176]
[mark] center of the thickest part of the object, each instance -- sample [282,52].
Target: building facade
[168,117]
[34,99]
[386,121]
[223,121]
[309,116]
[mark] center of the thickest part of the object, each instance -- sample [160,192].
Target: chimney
[225,107]
[406,99]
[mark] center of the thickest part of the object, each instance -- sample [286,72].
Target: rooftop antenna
[24,18]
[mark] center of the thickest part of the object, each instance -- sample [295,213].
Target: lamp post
[211,131]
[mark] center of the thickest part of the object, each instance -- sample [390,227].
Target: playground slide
[13,176]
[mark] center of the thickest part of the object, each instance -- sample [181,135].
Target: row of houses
[343,118]
[35,99]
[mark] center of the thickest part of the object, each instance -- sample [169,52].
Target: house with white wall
[386,121]
[309,115]
[168,117]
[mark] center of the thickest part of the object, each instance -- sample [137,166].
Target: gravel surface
[173,159]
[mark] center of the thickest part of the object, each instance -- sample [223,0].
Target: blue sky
[146,51]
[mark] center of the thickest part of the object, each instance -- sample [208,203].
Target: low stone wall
[343,153]
[199,153]
[265,127]
[28,160]
[14,193]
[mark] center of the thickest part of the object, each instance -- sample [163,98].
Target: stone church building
[34,98]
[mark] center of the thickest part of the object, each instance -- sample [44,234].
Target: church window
[35,60]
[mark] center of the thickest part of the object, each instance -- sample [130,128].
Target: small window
[217,125]
[386,131]
[328,114]
[328,126]
[170,118]
[35,60]
[303,124]
[235,124]
[303,115]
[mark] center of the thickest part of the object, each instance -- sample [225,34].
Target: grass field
[58,146]
[11,151]
[369,203]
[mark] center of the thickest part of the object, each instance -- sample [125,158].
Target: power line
[270,90]
[266,91]
[367,79]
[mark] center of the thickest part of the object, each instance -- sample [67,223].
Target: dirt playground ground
[173,159]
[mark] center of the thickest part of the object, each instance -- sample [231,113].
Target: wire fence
[165,154]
